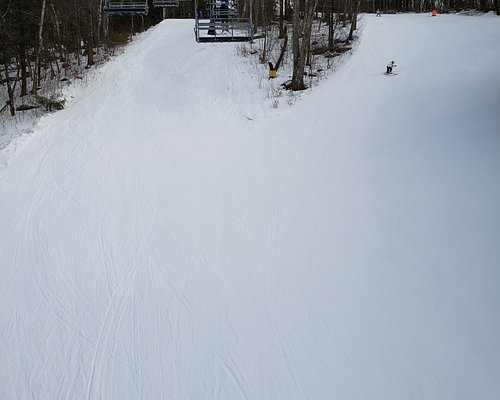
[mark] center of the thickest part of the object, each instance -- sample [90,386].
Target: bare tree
[301,40]
[10,89]
[354,18]
[90,36]
[36,77]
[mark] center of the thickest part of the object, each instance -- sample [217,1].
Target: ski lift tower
[223,21]
[126,7]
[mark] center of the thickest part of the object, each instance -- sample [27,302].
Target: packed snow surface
[170,235]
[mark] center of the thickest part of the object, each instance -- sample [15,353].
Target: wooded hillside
[42,40]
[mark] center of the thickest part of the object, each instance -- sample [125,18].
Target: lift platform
[223,21]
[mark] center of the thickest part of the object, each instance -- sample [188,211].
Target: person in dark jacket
[390,66]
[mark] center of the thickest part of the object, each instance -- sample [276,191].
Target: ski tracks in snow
[115,312]
[36,249]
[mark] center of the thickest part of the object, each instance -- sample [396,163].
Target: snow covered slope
[170,236]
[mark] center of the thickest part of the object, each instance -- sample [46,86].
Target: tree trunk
[99,25]
[90,40]
[288,10]
[24,74]
[283,49]
[264,22]
[36,77]
[281,19]
[301,48]
[55,20]
[298,77]
[10,90]
[23,60]
[354,19]
[331,29]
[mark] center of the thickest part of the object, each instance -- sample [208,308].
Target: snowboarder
[390,66]
[378,13]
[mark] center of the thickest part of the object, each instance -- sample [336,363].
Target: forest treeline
[38,38]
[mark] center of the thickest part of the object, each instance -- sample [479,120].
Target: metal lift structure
[223,21]
[126,7]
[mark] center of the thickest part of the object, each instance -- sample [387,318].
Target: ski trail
[160,245]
